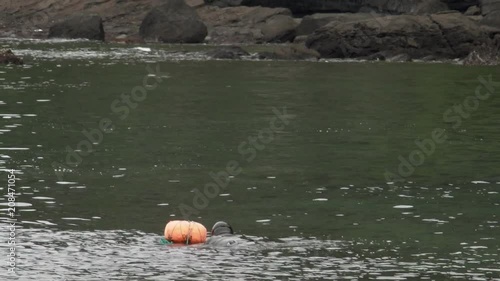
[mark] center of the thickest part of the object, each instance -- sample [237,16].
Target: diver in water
[222,228]
[223,235]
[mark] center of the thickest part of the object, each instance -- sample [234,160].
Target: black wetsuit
[226,240]
[223,236]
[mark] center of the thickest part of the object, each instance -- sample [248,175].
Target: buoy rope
[190,228]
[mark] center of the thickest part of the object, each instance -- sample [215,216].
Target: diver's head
[221,228]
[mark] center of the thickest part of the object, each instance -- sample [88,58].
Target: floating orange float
[185,232]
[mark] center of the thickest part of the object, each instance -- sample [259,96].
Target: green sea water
[340,174]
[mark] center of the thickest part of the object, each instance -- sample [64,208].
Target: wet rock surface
[446,35]
[173,22]
[247,24]
[79,26]
[491,12]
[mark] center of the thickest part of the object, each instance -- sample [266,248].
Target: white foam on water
[403,207]
[142,49]
[17,204]
[42,198]
[75,219]
[46,222]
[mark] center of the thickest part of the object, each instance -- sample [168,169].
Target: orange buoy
[185,232]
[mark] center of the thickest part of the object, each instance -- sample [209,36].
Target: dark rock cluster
[397,30]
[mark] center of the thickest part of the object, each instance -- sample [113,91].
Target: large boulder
[491,12]
[279,29]
[173,22]
[353,6]
[79,26]
[450,35]
[235,25]
[8,57]
[462,34]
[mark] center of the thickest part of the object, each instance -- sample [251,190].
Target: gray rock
[84,26]
[300,39]
[279,29]
[461,34]
[399,58]
[233,35]
[429,58]
[292,52]
[491,12]
[450,35]
[489,6]
[173,22]
[487,54]
[473,11]
[310,23]
[227,52]
[237,25]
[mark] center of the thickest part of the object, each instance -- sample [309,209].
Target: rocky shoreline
[392,30]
